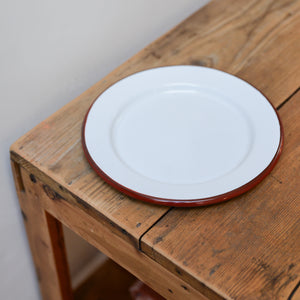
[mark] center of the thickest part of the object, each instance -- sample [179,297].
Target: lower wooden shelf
[110,281]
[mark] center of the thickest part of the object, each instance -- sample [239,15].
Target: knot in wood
[51,194]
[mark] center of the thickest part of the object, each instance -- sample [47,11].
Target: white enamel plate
[182,136]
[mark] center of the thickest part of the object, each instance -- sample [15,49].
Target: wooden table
[246,248]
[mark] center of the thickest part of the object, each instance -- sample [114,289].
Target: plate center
[181,135]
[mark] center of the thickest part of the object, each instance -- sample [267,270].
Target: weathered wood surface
[122,251]
[249,247]
[257,40]
[46,241]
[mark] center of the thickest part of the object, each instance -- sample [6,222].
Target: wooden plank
[255,40]
[249,247]
[53,152]
[247,38]
[47,245]
[111,244]
[124,216]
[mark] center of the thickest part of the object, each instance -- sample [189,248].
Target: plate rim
[182,202]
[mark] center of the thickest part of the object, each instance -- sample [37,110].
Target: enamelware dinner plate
[182,136]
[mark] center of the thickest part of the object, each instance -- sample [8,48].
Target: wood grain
[249,247]
[124,216]
[120,250]
[53,152]
[46,241]
[256,40]
[233,250]
[247,38]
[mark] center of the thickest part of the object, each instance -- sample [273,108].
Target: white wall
[50,52]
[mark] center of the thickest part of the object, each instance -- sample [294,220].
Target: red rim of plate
[177,202]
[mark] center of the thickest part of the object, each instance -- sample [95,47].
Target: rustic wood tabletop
[246,248]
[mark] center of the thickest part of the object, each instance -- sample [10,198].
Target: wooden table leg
[46,241]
